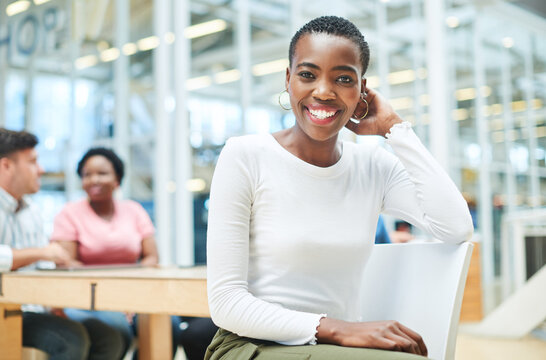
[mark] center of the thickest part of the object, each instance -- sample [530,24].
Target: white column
[184,199]
[4,36]
[296,20]
[382,49]
[485,209]
[437,81]
[506,79]
[71,181]
[163,158]
[418,85]
[243,51]
[534,180]
[121,90]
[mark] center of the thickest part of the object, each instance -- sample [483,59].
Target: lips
[95,190]
[321,115]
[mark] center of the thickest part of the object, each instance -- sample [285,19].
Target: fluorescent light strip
[148,43]
[86,61]
[206,28]
[109,54]
[198,83]
[17,7]
[129,49]
[227,76]
[40,2]
[270,67]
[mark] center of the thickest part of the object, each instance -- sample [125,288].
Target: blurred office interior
[166,82]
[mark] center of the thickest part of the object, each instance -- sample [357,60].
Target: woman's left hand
[380,118]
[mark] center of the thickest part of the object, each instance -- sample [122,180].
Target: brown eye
[345,79]
[306,75]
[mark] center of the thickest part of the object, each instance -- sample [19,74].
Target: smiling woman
[102,230]
[292,215]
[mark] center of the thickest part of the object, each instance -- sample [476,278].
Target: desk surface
[177,291]
[191,273]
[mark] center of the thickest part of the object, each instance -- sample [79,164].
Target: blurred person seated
[101,230]
[401,235]
[23,244]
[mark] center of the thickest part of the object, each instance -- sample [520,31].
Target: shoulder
[247,149]
[75,207]
[248,143]
[369,151]
[130,206]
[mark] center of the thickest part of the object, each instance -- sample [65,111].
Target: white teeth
[321,114]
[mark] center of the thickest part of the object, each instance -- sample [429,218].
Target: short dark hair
[333,25]
[119,168]
[12,141]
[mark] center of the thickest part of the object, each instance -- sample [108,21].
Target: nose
[41,170]
[94,178]
[323,91]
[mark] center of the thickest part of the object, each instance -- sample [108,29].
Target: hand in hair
[380,118]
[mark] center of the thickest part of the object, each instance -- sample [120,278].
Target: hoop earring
[367,107]
[279,100]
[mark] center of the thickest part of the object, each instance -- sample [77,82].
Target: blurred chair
[421,286]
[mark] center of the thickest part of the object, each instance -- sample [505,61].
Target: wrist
[328,331]
[391,121]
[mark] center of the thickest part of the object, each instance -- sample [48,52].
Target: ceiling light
[470,93]
[206,28]
[40,2]
[227,76]
[148,43]
[198,83]
[129,49]
[109,54]
[169,37]
[401,103]
[270,67]
[452,21]
[86,61]
[459,114]
[508,42]
[17,7]
[196,185]
[400,77]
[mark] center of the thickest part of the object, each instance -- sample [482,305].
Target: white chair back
[421,286]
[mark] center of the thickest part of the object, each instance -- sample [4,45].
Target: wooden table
[155,293]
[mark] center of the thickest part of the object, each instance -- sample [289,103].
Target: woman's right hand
[386,335]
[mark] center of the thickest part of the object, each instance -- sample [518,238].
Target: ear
[363,85]
[287,80]
[5,164]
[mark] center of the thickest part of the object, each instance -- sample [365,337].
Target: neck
[319,153]
[103,208]
[9,189]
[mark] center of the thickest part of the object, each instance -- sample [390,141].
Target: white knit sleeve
[232,306]
[419,191]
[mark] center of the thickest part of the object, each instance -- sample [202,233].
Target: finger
[415,336]
[414,347]
[386,344]
[404,344]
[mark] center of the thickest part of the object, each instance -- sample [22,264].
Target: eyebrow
[340,67]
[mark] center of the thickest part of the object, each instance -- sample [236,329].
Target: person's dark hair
[12,141]
[333,25]
[108,154]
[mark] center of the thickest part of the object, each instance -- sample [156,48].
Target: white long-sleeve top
[288,241]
